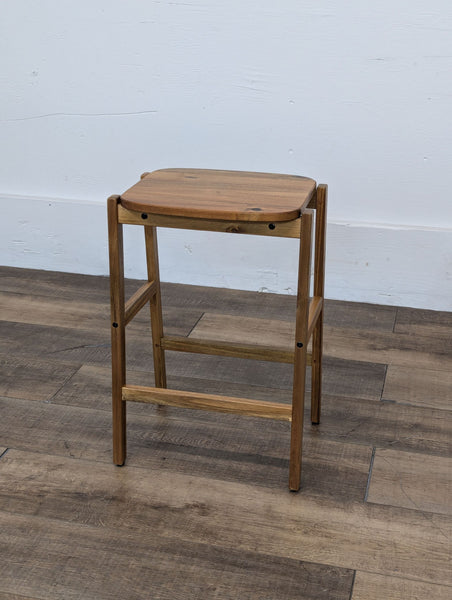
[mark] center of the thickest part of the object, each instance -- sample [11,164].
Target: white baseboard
[376,263]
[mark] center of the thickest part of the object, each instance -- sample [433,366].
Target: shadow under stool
[238,203]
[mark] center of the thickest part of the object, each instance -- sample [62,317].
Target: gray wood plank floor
[202,510]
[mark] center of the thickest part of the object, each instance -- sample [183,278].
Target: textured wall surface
[351,94]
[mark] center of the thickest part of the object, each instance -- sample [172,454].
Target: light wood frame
[308,324]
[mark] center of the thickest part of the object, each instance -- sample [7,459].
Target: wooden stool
[226,201]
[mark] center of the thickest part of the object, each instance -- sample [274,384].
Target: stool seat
[221,195]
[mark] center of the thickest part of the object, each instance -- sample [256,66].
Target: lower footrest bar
[138,300]
[225,404]
[231,349]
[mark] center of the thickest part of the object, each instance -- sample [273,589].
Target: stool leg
[118,346]
[301,343]
[156,307]
[319,285]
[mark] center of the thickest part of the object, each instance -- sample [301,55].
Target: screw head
[299,344]
[272,226]
[144,216]
[115,324]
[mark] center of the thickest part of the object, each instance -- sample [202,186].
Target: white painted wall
[351,94]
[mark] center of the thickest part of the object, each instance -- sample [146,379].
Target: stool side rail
[139,300]
[285,229]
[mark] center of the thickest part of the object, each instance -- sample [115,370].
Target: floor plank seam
[69,456]
[371,465]
[352,585]
[427,514]
[41,358]
[415,406]
[405,578]
[20,596]
[189,333]
[102,345]
[58,327]
[385,374]
[102,302]
[67,380]
[395,320]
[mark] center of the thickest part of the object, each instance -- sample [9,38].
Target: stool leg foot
[296,433]
[118,404]
[119,428]
[316,385]
[118,345]
[155,307]
[300,355]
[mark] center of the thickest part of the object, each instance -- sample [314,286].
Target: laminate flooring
[202,509]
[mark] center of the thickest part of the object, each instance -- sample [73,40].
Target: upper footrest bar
[285,229]
[224,404]
[138,300]
[231,349]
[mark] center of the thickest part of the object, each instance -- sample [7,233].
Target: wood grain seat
[234,202]
[222,195]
